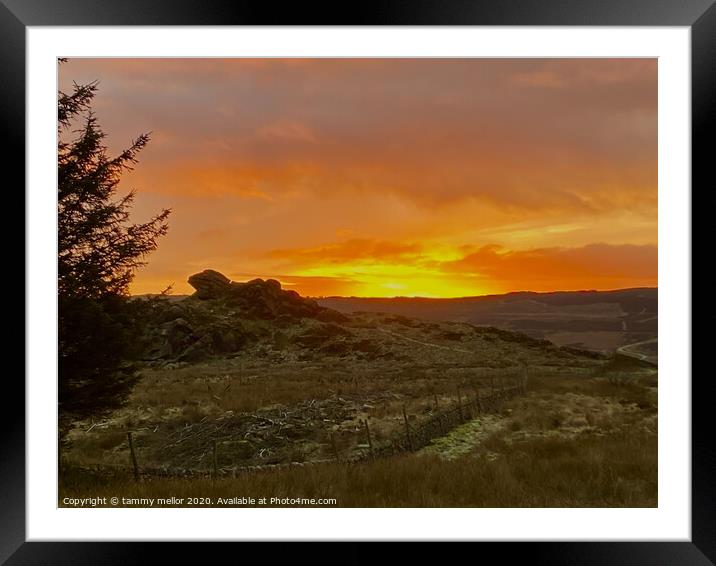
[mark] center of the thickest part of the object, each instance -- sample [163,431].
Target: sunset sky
[391,177]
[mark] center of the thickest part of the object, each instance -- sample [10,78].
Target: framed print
[410,277]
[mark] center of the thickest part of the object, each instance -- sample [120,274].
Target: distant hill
[260,320]
[597,320]
[603,321]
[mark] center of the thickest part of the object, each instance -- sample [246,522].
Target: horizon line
[423,297]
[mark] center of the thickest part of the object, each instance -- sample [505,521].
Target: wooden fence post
[370,442]
[335,448]
[134,456]
[479,401]
[214,460]
[459,404]
[435,398]
[407,430]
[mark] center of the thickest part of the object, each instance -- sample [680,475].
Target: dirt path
[627,351]
[429,344]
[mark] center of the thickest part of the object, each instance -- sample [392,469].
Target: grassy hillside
[571,441]
[261,392]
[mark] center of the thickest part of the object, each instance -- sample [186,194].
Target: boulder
[199,350]
[210,284]
[169,339]
[259,298]
[177,334]
[227,338]
[170,313]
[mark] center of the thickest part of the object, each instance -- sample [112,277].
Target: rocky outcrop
[210,284]
[259,298]
[171,339]
[185,341]
[224,317]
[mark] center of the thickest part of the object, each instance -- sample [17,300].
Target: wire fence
[441,422]
[472,401]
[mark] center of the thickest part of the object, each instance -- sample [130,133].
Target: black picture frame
[699,15]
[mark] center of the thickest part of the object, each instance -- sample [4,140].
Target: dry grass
[616,470]
[231,385]
[583,436]
[571,442]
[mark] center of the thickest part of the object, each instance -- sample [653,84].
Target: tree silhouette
[99,250]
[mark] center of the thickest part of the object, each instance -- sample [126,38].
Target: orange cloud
[595,266]
[429,130]
[318,286]
[365,267]
[350,250]
[287,130]
[416,162]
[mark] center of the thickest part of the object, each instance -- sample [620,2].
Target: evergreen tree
[99,250]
